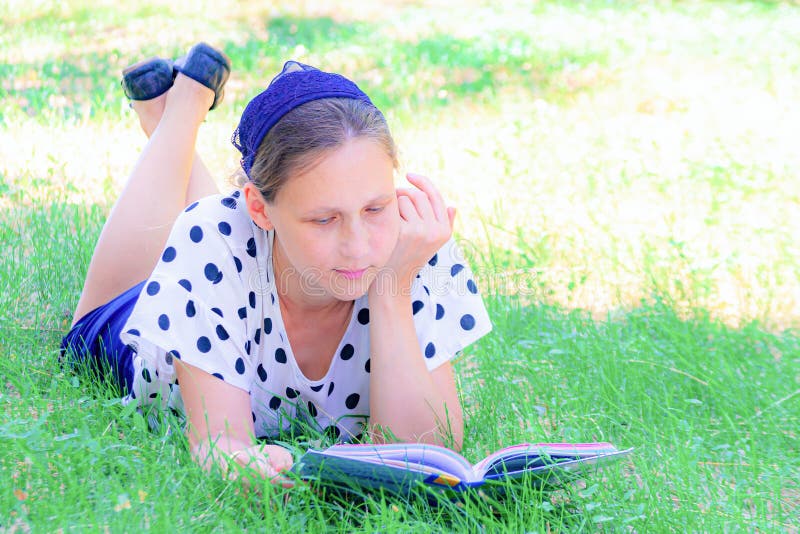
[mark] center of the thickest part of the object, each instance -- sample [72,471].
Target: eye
[323,222]
[375,210]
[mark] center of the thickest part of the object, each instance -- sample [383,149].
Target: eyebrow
[326,209]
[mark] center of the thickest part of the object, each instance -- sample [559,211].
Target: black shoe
[147,79]
[207,66]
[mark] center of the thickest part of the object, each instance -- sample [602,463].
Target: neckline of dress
[279,324]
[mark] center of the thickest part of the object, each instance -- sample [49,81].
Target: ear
[257,206]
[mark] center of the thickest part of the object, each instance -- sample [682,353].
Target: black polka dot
[240,366]
[262,373]
[280,355]
[217,311]
[134,332]
[251,247]
[427,291]
[253,415]
[275,403]
[291,393]
[247,347]
[267,326]
[352,400]
[175,354]
[251,297]
[430,350]
[317,389]
[312,410]
[272,297]
[236,194]
[347,352]
[196,234]
[168,358]
[434,260]
[163,322]
[185,284]
[242,312]
[229,202]
[191,206]
[153,288]
[146,375]
[467,322]
[153,395]
[203,344]
[238,264]
[168,255]
[224,228]
[416,306]
[363,316]
[213,274]
[455,269]
[190,310]
[257,336]
[366,366]
[330,389]
[133,394]
[472,287]
[218,375]
[439,311]
[222,334]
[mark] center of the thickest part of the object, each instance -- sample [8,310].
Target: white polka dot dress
[211,302]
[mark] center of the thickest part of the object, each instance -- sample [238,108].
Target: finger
[451,215]
[422,204]
[282,481]
[408,211]
[434,195]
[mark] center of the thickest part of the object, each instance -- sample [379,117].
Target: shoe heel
[207,66]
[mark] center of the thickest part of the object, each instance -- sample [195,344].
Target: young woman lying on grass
[318,292]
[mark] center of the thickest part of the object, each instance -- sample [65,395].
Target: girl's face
[337,223]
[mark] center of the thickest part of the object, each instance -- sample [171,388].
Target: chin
[346,290]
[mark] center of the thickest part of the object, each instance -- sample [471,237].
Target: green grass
[626,178]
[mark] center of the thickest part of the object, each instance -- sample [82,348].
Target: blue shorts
[93,342]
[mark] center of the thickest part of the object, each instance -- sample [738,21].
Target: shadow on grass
[432,71]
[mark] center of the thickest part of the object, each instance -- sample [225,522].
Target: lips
[351,275]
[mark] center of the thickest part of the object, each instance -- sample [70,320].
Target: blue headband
[294,86]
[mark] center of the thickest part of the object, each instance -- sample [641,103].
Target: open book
[403,468]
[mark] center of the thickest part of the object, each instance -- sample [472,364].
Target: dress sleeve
[197,303]
[449,313]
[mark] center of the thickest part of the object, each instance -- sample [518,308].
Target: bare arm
[414,403]
[220,428]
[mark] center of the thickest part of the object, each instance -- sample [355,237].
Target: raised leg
[155,193]
[201,184]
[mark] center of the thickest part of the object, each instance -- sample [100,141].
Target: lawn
[626,177]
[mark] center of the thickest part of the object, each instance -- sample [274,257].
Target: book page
[516,465]
[424,457]
[536,454]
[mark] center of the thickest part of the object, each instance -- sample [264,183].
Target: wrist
[387,290]
[392,284]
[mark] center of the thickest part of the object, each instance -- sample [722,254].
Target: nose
[355,241]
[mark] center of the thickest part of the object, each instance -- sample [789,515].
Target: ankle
[188,89]
[149,112]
